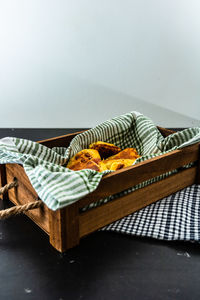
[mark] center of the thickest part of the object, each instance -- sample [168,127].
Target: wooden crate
[68,225]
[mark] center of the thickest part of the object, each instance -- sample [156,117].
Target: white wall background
[67,63]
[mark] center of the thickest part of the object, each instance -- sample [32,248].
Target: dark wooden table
[104,266]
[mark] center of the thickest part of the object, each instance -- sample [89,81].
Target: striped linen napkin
[58,186]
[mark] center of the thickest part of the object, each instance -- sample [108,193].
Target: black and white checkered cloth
[176,217]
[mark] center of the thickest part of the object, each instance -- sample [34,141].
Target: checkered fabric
[176,217]
[59,186]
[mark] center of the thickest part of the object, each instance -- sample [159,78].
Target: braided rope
[16,210]
[7,187]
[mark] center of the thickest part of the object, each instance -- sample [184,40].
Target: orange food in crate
[92,158]
[116,164]
[85,159]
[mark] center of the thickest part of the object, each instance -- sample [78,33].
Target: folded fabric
[59,186]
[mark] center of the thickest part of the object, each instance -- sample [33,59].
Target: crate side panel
[125,178]
[114,210]
[25,193]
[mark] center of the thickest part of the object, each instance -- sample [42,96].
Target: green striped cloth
[58,186]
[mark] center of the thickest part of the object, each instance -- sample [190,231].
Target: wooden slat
[125,178]
[25,193]
[64,227]
[57,231]
[117,209]
[60,141]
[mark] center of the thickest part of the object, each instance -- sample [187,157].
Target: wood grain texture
[114,210]
[64,227]
[25,193]
[57,231]
[125,178]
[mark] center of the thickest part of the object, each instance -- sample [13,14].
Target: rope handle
[18,209]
